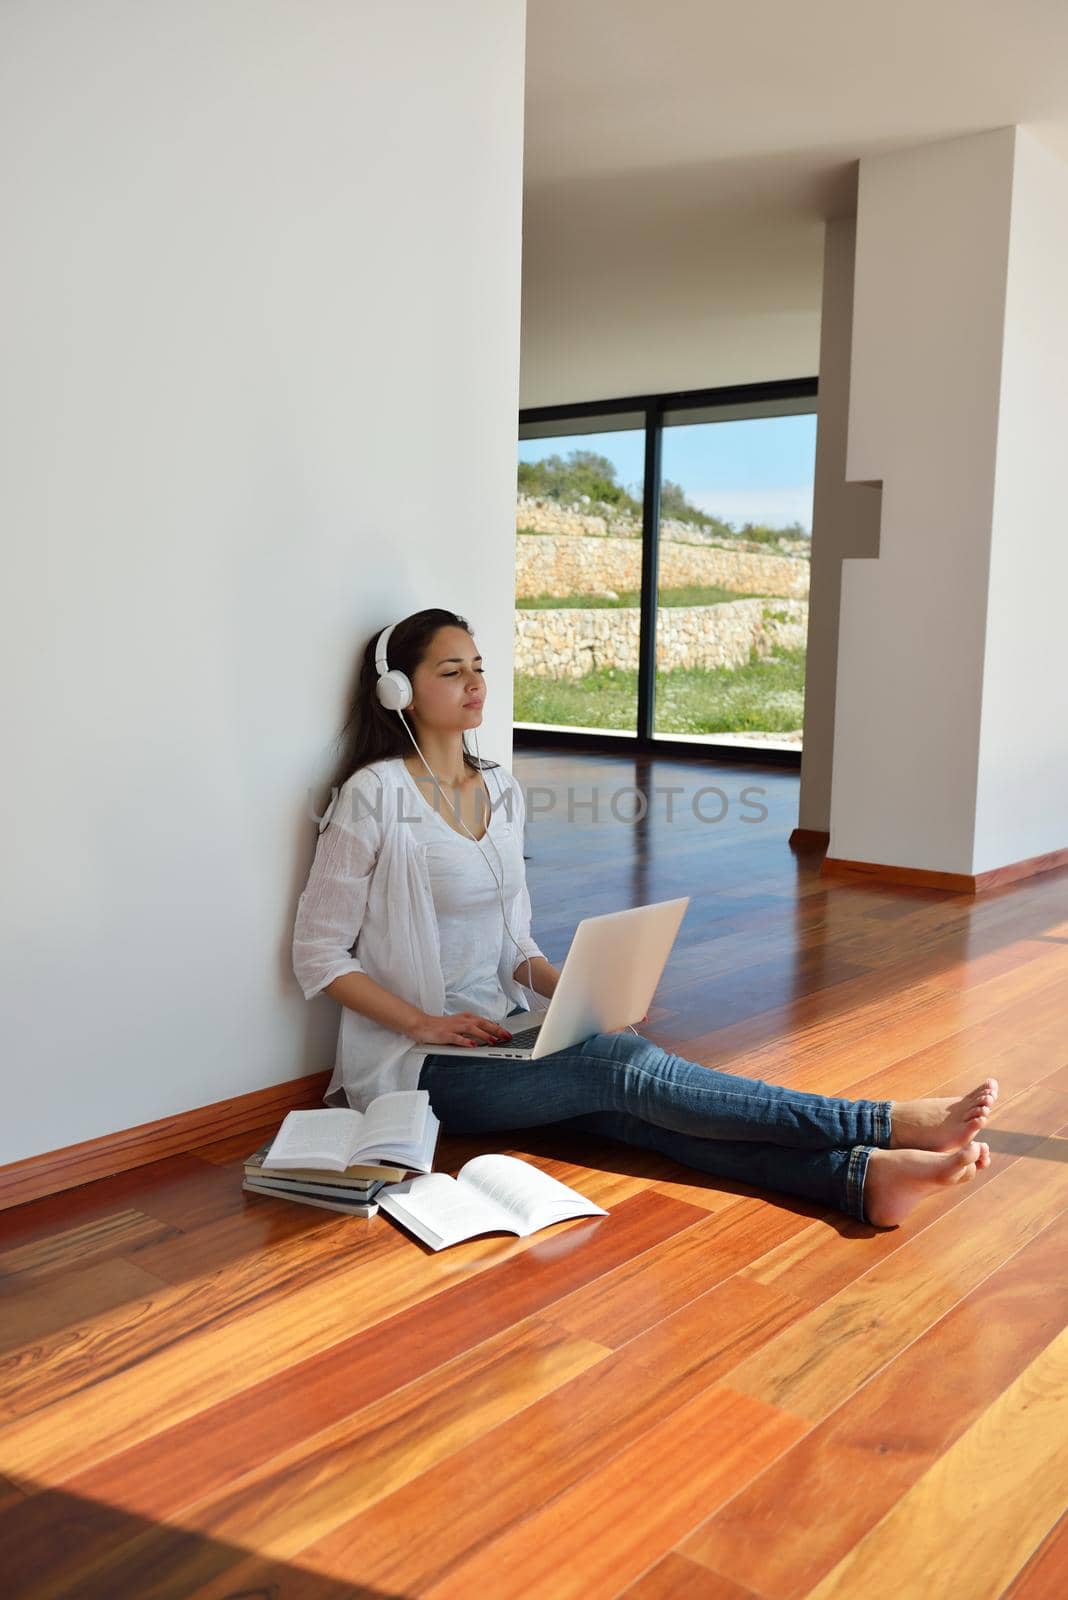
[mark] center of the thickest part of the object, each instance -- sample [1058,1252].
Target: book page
[449,1208]
[530,1196]
[395,1121]
[316,1139]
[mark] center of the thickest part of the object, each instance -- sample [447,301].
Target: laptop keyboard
[527,1036]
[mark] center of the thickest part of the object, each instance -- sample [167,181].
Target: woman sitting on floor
[434,899]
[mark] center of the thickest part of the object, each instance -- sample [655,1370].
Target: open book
[397,1128]
[491,1194]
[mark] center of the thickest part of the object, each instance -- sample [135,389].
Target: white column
[947,690]
[845,522]
[1022,802]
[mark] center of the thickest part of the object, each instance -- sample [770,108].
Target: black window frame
[653,408]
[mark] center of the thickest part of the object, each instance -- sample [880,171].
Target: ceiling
[635,107]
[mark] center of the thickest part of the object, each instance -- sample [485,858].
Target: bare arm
[543,975]
[360,993]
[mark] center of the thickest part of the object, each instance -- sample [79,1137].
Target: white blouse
[464,878]
[384,863]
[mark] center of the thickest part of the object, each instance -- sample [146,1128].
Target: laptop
[607,981]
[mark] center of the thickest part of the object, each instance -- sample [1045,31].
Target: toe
[967,1158]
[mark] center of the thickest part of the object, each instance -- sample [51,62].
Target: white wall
[260,291]
[626,294]
[1022,807]
[929,299]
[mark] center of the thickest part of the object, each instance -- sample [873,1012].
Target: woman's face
[448,689]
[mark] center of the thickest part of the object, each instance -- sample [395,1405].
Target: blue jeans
[620,1086]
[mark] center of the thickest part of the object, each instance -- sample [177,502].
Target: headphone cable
[497,882]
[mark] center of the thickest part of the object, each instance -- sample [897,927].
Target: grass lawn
[693,594]
[763,697]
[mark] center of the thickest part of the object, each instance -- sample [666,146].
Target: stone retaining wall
[568,642]
[573,564]
[547,516]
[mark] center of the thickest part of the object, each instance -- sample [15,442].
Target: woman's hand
[463,1027]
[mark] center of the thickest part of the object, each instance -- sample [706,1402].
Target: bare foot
[941,1124]
[897,1180]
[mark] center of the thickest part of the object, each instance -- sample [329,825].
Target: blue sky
[758,470]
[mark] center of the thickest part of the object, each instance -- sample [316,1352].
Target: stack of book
[352,1191]
[341,1159]
[355,1161]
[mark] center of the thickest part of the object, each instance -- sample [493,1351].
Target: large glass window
[735,535]
[715,652]
[578,574]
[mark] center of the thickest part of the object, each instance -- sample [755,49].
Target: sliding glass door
[662,562]
[734,541]
[578,556]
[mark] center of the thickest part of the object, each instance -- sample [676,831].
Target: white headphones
[394,691]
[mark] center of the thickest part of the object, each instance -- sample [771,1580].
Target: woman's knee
[624,1047]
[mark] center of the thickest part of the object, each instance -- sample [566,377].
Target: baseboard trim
[55,1170]
[1022,869]
[956,882]
[809,839]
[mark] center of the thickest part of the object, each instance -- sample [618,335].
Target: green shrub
[566,480]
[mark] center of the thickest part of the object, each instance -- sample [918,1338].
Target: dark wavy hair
[372,733]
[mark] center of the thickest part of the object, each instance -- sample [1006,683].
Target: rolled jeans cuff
[881,1124]
[856,1172]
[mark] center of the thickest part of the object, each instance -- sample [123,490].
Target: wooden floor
[708,1394]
